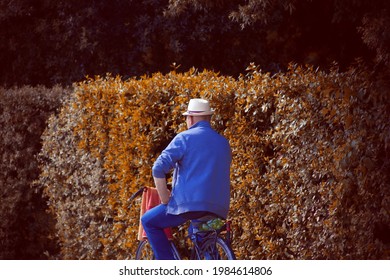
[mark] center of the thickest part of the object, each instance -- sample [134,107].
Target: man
[201,161]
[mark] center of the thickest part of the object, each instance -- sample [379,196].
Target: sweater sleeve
[169,157]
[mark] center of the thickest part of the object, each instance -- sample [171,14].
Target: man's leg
[154,221]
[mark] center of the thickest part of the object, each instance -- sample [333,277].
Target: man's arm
[163,192]
[165,163]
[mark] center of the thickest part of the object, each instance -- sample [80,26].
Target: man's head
[191,120]
[198,110]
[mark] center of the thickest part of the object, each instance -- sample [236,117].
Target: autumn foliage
[310,172]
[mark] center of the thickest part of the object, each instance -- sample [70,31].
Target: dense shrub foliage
[24,224]
[310,172]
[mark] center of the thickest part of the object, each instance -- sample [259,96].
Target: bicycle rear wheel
[224,251]
[145,252]
[213,249]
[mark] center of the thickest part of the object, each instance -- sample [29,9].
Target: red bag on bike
[150,199]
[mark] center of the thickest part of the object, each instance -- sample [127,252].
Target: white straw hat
[198,107]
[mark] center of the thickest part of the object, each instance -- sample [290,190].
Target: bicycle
[206,243]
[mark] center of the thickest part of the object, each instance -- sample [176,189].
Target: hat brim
[205,113]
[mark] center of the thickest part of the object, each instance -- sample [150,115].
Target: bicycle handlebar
[143,189]
[136,194]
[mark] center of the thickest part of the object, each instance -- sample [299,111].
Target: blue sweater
[201,181]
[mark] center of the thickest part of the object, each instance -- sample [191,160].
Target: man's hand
[163,192]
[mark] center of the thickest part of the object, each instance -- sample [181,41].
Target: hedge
[24,225]
[310,171]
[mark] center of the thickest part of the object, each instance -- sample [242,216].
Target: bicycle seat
[206,218]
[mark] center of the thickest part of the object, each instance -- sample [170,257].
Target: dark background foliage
[25,227]
[48,42]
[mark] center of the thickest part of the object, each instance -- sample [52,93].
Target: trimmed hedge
[24,225]
[310,172]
